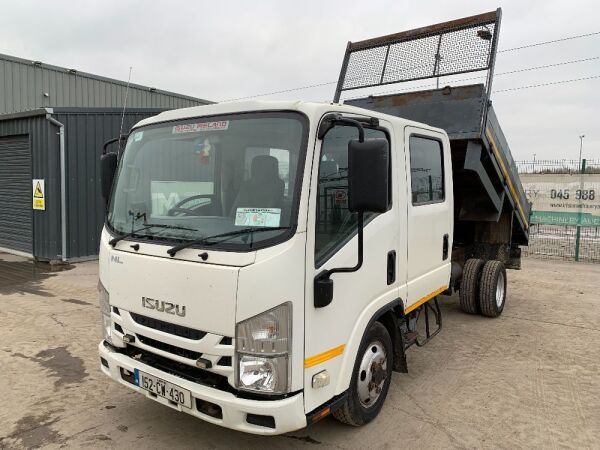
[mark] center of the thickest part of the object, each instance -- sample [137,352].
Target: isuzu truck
[266,264]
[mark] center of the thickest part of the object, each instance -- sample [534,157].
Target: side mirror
[368,175]
[108,166]
[323,290]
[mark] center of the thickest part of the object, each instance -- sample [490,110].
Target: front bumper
[288,414]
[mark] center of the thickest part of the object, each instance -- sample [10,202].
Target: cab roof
[311,109]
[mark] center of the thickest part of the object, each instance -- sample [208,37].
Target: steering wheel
[179,209]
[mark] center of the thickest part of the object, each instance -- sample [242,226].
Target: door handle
[445,247]
[391,267]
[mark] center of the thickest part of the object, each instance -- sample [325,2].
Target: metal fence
[565,197]
[549,166]
[561,243]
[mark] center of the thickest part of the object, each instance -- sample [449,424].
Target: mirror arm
[323,285]
[123,137]
[330,121]
[107,143]
[360,225]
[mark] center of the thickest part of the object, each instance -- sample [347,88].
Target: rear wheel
[370,379]
[469,286]
[492,289]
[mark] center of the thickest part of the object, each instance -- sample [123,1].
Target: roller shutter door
[16,227]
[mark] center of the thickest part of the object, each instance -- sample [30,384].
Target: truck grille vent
[184,353]
[166,327]
[224,361]
[225,341]
[178,369]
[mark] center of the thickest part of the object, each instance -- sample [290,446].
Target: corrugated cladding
[45,164]
[85,133]
[90,108]
[23,84]
[86,130]
[16,223]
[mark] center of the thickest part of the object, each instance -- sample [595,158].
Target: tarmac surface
[529,379]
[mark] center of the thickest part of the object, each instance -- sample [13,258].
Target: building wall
[23,84]
[85,133]
[90,107]
[45,159]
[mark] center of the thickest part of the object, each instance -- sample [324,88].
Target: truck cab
[266,264]
[223,221]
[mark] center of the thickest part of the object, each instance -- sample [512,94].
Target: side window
[426,170]
[335,225]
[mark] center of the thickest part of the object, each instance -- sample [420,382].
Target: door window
[426,171]
[335,225]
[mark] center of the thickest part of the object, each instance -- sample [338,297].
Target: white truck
[265,264]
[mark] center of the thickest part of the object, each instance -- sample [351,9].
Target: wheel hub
[372,374]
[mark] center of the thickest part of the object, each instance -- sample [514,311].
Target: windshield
[204,177]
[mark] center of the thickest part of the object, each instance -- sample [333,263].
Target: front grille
[224,361]
[178,369]
[167,327]
[183,352]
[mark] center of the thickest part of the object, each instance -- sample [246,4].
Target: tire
[469,286]
[492,289]
[360,408]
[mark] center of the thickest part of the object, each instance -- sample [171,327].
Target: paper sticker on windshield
[138,136]
[258,217]
[203,126]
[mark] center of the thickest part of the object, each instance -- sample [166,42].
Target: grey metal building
[26,85]
[60,146]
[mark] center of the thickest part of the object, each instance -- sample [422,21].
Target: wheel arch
[388,315]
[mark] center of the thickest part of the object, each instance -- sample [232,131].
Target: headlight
[104,298]
[263,374]
[263,351]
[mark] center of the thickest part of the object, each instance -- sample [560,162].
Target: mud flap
[400,364]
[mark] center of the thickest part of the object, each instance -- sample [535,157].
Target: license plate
[163,388]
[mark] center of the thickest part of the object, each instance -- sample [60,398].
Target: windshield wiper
[173,250]
[114,241]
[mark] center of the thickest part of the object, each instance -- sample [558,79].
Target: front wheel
[370,379]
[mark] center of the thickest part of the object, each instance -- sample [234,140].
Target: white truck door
[430,214]
[333,333]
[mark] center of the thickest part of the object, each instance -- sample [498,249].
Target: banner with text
[563,199]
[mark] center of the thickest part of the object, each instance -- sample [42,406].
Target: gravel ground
[529,379]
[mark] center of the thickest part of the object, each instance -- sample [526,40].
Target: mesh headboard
[449,48]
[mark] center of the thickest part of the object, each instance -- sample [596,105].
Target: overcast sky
[230,49]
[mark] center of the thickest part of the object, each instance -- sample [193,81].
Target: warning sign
[39,195]
[341,197]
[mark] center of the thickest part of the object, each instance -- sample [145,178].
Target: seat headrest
[264,166]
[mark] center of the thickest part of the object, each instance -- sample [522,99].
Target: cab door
[429,214]
[332,332]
